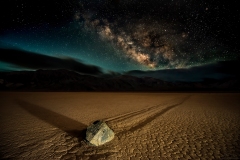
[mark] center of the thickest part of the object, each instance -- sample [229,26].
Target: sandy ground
[51,125]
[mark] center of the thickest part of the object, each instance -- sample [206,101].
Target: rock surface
[99,133]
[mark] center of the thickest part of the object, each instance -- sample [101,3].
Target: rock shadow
[68,125]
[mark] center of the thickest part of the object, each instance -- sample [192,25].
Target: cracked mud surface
[147,125]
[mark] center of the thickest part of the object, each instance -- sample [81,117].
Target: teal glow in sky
[67,42]
[123,35]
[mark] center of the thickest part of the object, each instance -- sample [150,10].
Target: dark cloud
[31,60]
[218,70]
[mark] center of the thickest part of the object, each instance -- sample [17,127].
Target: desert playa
[51,125]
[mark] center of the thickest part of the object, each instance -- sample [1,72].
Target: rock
[98,133]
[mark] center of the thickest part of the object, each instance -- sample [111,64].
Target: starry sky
[120,35]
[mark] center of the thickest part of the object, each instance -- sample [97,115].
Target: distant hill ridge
[65,80]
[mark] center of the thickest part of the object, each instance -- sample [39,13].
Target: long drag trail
[147,125]
[132,121]
[190,127]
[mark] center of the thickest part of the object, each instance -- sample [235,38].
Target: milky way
[147,36]
[124,35]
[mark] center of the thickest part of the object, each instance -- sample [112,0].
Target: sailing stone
[98,133]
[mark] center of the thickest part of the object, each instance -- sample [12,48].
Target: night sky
[120,35]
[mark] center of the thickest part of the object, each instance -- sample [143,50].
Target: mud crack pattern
[187,126]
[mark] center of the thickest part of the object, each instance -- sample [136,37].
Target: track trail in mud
[129,123]
[138,119]
[146,125]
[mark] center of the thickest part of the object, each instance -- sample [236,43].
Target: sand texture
[51,125]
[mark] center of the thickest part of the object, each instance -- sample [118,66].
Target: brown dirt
[48,125]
